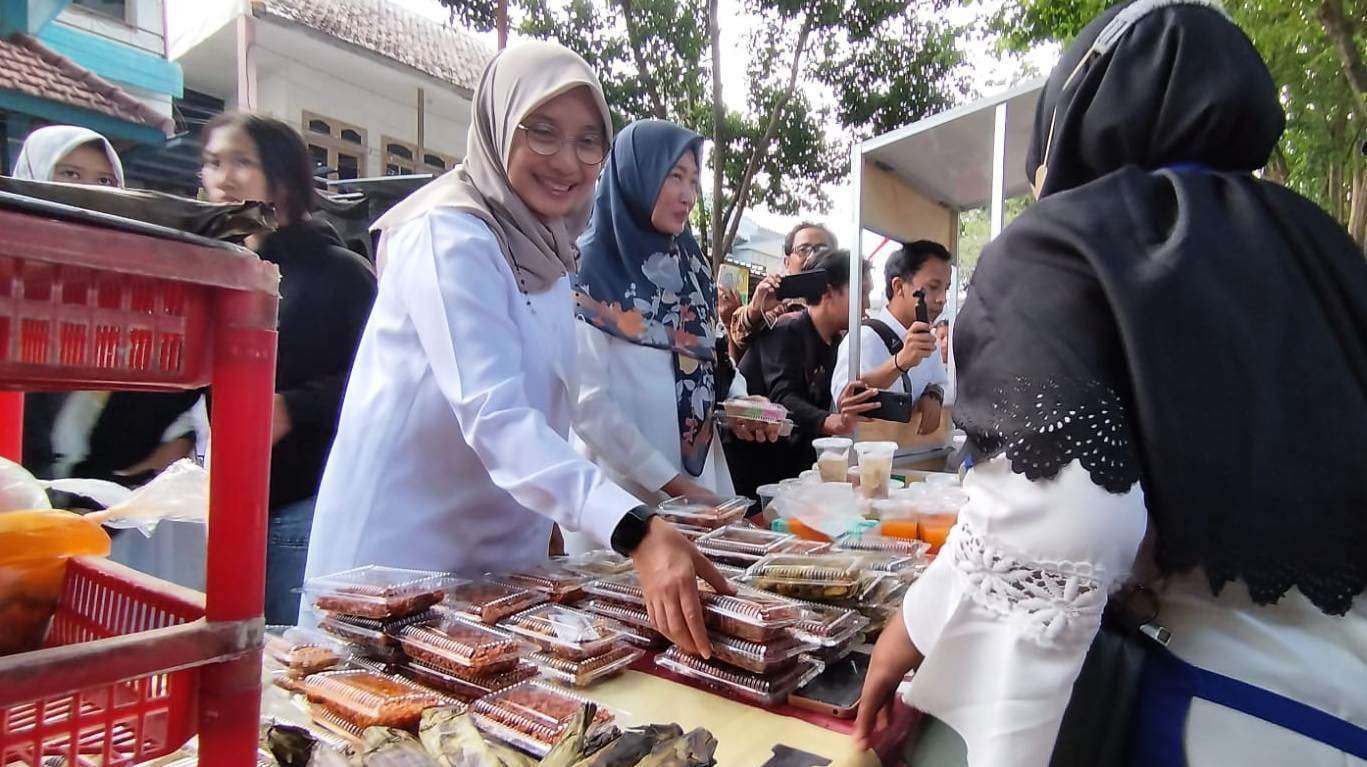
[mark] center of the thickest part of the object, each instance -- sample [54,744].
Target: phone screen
[840,684]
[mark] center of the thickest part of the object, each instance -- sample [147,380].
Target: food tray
[568,633]
[761,658]
[556,581]
[692,533]
[377,592]
[582,673]
[635,623]
[818,577]
[801,546]
[367,699]
[335,725]
[755,409]
[828,625]
[303,651]
[728,558]
[372,637]
[490,601]
[460,645]
[684,511]
[785,425]
[288,681]
[838,652]
[463,685]
[891,562]
[533,716]
[599,563]
[745,539]
[750,614]
[867,541]
[764,690]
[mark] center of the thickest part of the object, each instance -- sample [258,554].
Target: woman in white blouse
[647,305]
[452,452]
[1095,416]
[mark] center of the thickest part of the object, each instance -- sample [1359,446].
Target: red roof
[29,67]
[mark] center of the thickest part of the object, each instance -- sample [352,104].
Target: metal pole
[856,267]
[998,169]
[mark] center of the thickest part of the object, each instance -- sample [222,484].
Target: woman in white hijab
[124,437]
[452,450]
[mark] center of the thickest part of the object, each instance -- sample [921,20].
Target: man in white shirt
[897,353]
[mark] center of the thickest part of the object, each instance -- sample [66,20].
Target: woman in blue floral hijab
[648,304]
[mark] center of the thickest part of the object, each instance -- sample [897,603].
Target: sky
[989,73]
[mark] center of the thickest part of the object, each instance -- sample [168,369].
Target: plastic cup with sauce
[875,467]
[832,457]
[937,514]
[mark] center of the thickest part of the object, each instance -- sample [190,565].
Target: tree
[883,63]
[1313,49]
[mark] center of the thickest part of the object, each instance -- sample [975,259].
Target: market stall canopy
[944,161]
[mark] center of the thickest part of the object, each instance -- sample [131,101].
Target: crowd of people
[535,361]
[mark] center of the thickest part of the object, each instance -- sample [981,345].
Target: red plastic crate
[135,666]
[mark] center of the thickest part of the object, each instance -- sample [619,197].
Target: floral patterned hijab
[649,288]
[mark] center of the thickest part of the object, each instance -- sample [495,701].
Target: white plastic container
[875,467]
[832,457]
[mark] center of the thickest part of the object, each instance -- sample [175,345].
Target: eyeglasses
[547,142]
[809,249]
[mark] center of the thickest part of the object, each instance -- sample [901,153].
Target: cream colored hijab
[517,81]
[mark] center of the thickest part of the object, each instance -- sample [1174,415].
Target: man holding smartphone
[898,350]
[804,241]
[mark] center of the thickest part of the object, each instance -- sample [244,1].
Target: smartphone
[892,406]
[837,690]
[922,311]
[808,285]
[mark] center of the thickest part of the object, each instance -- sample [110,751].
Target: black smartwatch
[631,530]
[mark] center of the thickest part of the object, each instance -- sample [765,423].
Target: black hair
[284,159]
[909,259]
[792,235]
[837,266]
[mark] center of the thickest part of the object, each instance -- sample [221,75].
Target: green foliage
[975,225]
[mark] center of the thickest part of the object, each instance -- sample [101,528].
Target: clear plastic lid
[599,563]
[635,623]
[745,539]
[621,588]
[460,644]
[564,631]
[683,511]
[367,699]
[801,546]
[871,541]
[760,657]
[829,625]
[785,425]
[839,651]
[892,561]
[377,592]
[813,577]
[585,671]
[755,408]
[466,686]
[533,716]
[375,638]
[304,651]
[765,690]
[833,444]
[489,600]
[750,614]
[692,533]
[556,580]
[734,560]
[334,725]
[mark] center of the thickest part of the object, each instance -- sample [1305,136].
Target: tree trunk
[718,137]
[737,207]
[1339,29]
[501,23]
[1357,218]
[652,88]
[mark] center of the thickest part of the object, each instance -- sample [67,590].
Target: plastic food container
[564,631]
[586,671]
[907,566]
[838,652]
[754,408]
[533,716]
[490,601]
[555,580]
[770,657]
[803,546]
[726,558]
[818,577]
[599,563]
[366,699]
[833,458]
[464,685]
[377,592]
[750,614]
[374,638]
[461,645]
[635,623]
[829,625]
[303,651]
[692,533]
[785,425]
[756,688]
[683,511]
[875,467]
[745,539]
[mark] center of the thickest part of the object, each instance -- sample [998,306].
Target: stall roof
[948,157]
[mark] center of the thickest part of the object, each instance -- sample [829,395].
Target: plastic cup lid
[875,447]
[832,443]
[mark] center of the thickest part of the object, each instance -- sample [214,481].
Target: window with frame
[399,157]
[437,163]
[117,9]
[337,148]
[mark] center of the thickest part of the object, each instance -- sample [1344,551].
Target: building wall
[129,52]
[144,28]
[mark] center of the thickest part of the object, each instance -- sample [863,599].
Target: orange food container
[906,529]
[935,529]
[796,527]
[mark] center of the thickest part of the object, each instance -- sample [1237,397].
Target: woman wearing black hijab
[1164,343]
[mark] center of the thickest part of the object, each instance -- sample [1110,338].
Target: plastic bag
[34,548]
[831,508]
[19,489]
[181,494]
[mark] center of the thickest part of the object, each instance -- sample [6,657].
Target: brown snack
[460,645]
[538,713]
[564,631]
[465,686]
[597,564]
[684,511]
[301,654]
[557,581]
[582,673]
[820,578]
[745,539]
[828,625]
[288,682]
[766,690]
[770,657]
[750,614]
[490,601]
[379,593]
[367,699]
